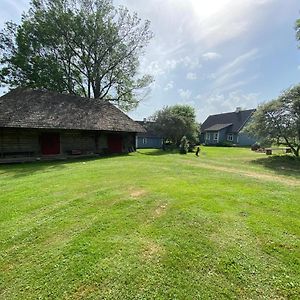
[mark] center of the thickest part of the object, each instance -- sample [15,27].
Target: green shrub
[191,147]
[184,145]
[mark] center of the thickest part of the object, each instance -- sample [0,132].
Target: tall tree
[297,27]
[84,47]
[174,122]
[278,121]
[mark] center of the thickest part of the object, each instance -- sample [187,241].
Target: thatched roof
[26,108]
[235,119]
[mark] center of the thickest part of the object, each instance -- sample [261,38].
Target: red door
[114,142]
[50,143]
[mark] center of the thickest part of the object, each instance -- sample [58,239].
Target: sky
[214,55]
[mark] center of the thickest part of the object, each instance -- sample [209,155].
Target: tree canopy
[83,47]
[174,122]
[278,121]
[297,27]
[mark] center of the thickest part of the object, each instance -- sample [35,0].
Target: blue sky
[212,54]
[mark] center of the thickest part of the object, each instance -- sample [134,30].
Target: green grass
[151,225]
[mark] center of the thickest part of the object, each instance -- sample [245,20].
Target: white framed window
[207,136]
[144,141]
[230,137]
[216,136]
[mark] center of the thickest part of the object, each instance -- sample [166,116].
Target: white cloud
[238,83]
[155,69]
[191,63]
[191,31]
[162,67]
[240,60]
[211,55]
[229,20]
[169,86]
[184,94]
[193,27]
[191,76]
[225,78]
[225,102]
[171,64]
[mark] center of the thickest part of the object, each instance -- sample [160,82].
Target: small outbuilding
[151,138]
[42,123]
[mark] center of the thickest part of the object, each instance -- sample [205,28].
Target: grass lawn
[151,225]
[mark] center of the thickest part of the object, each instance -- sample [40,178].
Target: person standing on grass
[198,151]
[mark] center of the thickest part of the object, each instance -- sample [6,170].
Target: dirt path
[267,177]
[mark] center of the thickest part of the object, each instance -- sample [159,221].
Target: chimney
[145,120]
[238,109]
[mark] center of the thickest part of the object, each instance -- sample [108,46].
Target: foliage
[84,47]
[191,147]
[143,226]
[278,121]
[184,145]
[297,27]
[174,122]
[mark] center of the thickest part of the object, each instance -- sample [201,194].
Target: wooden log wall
[85,141]
[76,140]
[19,140]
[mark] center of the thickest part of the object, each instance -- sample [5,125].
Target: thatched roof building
[37,122]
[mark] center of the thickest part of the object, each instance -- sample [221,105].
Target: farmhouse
[150,138]
[42,123]
[227,128]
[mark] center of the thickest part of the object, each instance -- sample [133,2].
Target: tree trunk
[97,87]
[294,150]
[89,87]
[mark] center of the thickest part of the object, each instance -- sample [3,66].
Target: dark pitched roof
[150,129]
[237,119]
[218,127]
[26,108]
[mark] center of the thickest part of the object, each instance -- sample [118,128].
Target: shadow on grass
[156,152]
[282,164]
[20,169]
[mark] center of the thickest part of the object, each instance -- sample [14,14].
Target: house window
[144,141]
[207,136]
[216,136]
[230,137]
